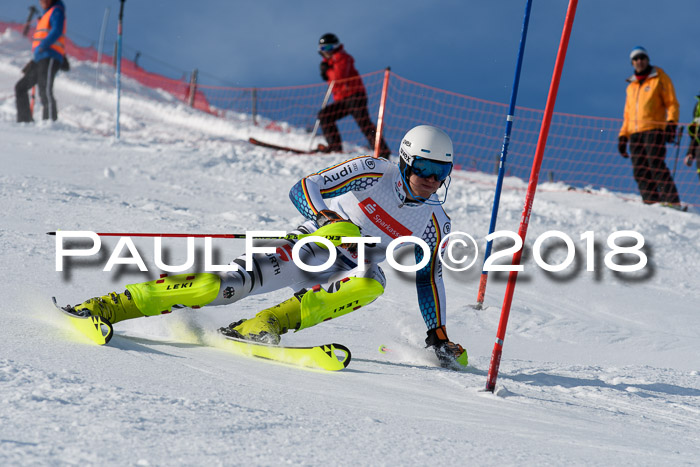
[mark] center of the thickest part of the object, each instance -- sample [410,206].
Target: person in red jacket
[349,96]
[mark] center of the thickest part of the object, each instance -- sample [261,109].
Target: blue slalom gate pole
[119,62]
[504,153]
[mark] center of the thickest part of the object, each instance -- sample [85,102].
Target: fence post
[254,95]
[193,87]
[100,45]
[380,117]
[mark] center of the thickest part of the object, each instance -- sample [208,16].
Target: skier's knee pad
[319,305]
[158,296]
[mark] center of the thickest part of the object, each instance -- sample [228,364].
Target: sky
[467,47]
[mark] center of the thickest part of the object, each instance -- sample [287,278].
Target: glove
[689,158]
[448,353]
[65,65]
[324,70]
[326,216]
[671,130]
[622,146]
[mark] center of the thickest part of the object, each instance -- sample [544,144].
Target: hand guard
[448,353]
[622,146]
[326,216]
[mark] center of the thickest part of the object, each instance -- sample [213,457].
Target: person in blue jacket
[49,49]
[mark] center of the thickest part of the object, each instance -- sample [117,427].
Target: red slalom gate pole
[530,196]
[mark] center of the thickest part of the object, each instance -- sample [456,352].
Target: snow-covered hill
[599,368]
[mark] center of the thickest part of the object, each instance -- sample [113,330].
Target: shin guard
[159,296]
[318,305]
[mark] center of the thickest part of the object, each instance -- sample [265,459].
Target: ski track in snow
[599,368]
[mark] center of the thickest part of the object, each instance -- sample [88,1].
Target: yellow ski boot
[268,325]
[113,307]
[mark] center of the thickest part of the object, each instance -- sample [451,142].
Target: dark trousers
[696,152]
[648,152]
[40,73]
[355,105]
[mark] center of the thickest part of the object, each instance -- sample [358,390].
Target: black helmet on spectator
[328,42]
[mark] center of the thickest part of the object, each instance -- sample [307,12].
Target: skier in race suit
[361,197]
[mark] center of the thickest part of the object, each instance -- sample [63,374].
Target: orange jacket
[43,29]
[341,69]
[650,104]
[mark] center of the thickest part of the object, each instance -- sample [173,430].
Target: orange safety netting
[581,150]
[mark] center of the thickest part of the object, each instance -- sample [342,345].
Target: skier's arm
[310,193]
[429,284]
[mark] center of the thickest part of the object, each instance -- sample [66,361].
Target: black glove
[324,70]
[622,146]
[28,67]
[326,216]
[689,158]
[671,130]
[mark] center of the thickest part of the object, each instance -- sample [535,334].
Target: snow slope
[599,368]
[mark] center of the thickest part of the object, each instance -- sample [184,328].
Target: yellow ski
[331,357]
[95,328]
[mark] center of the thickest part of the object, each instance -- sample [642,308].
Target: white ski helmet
[426,149]
[427,142]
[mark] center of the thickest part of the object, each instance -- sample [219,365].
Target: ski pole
[504,152]
[28,24]
[32,102]
[318,120]
[119,62]
[678,149]
[335,239]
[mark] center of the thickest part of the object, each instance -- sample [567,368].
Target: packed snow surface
[599,367]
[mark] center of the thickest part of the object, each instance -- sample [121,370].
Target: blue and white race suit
[370,193]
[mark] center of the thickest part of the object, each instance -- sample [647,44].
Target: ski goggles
[425,168]
[327,47]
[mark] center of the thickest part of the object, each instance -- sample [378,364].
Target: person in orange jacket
[651,113]
[349,96]
[49,49]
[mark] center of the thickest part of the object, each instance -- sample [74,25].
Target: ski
[257,142]
[95,328]
[330,357]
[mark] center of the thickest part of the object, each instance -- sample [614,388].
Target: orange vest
[42,30]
